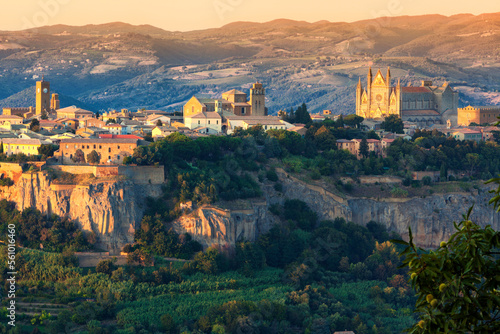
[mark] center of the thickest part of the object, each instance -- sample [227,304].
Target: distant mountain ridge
[118,65]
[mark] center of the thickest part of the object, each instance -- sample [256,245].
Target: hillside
[118,65]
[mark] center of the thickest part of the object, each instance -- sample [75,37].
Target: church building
[424,105]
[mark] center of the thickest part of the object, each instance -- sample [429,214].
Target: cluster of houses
[115,134]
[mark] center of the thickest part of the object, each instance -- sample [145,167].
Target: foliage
[35,125]
[47,150]
[457,283]
[34,229]
[393,123]
[93,157]
[155,236]
[79,157]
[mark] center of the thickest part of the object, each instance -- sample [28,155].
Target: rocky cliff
[110,209]
[211,225]
[430,218]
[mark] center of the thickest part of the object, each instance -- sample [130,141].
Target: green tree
[457,283]
[79,156]
[47,150]
[93,157]
[353,120]
[393,123]
[363,148]
[159,123]
[44,115]
[35,125]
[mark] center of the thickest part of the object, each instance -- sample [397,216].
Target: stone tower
[54,102]
[258,100]
[42,96]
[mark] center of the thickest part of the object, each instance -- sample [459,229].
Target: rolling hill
[118,65]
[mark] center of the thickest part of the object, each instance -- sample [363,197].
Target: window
[109,149]
[66,145]
[118,146]
[209,122]
[100,146]
[94,145]
[109,157]
[217,122]
[118,157]
[198,122]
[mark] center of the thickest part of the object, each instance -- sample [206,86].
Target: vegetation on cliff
[49,232]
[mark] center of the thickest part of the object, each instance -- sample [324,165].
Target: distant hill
[118,65]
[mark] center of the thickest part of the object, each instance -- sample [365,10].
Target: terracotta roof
[234,91]
[263,122]
[110,136]
[10,116]
[98,141]
[419,113]
[206,115]
[240,104]
[19,141]
[415,90]
[242,118]
[74,109]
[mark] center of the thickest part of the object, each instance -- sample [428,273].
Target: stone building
[424,105]
[232,102]
[478,115]
[44,102]
[74,112]
[111,151]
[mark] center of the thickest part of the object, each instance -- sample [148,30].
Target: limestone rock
[110,209]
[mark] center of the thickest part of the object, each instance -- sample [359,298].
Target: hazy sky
[200,14]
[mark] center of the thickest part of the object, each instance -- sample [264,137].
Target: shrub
[271,175]
[426,180]
[278,187]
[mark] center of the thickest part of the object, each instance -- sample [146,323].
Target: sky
[185,15]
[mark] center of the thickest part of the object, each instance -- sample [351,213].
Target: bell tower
[258,100]
[42,96]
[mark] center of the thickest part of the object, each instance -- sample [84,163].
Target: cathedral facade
[424,105]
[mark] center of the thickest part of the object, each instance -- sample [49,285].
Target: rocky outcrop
[211,225]
[110,209]
[430,218]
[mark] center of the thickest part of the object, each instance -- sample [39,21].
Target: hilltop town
[72,133]
[254,178]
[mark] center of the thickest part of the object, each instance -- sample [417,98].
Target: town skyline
[217,13]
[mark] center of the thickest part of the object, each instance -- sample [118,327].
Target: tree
[159,123]
[302,115]
[106,267]
[393,123]
[456,283]
[353,120]
[93,157]
[47,150]
[44,115]
[363,148]
[79,157]
[35,125]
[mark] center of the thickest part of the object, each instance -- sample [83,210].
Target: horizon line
[255,22]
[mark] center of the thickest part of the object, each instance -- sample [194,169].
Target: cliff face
[110,209]
[430,218]
[113,209]
[214,226]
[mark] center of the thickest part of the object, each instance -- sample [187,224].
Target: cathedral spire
[359,82]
